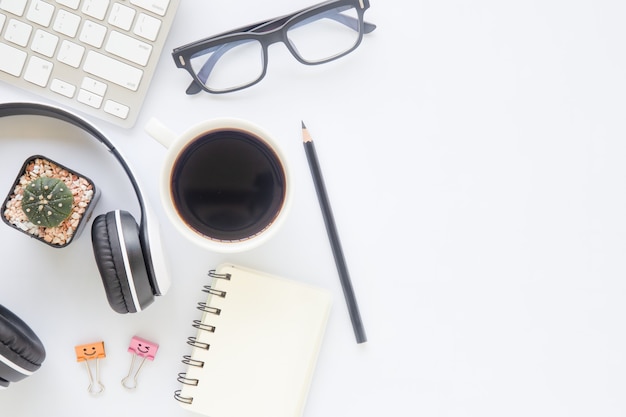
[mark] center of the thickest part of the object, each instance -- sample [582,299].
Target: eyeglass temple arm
[346,20]
[368,27]
[267,25]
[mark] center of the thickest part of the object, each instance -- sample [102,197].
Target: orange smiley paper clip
[89,352]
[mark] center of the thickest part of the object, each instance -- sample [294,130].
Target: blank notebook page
[264,348]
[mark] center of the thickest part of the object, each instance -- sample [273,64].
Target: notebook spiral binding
[182,378]
[202,306]
[188,360]
[203,326]
[193,340]
[195,343]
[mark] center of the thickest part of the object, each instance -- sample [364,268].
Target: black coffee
[228,185]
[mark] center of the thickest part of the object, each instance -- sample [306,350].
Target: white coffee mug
[224,184]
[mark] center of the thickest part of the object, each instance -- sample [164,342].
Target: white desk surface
[474,156]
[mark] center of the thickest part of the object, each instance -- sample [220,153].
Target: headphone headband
[39,109]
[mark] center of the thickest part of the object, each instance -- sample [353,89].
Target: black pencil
[333,236]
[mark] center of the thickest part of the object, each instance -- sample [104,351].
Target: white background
[474,156]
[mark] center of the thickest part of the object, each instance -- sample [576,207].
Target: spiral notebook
[255,347]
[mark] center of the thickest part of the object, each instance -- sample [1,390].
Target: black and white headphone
[128,254]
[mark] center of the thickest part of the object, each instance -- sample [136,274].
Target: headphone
[129,257]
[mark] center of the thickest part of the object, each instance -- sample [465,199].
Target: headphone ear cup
[119,256]
[21,351]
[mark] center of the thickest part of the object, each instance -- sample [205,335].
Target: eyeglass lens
[317,39]
[229,66]
[326,35]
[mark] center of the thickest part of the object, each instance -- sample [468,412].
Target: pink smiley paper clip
[145,350]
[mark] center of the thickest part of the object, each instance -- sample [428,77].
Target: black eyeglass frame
[267,33]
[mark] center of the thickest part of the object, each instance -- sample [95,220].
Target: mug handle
[160,132]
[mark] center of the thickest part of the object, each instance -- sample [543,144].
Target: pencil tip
[303,126]
[306,136]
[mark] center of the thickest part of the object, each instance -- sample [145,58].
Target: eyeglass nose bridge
[271,37]
[279,36]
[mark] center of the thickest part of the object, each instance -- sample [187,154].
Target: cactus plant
[47,201]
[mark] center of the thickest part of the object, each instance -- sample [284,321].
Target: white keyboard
[96,56]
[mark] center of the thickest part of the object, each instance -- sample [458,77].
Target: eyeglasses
[237,59]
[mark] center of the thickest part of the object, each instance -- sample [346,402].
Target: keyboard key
[147,27]
[155,6]
[13,6]
[40,12]
[66,23]
[72,4]
[12,60]
[61,87]
[44,43]
[128,48]
[3,18]
[71,53]
[89,98]
[95,8]
[38,71]
[94,86]
[93,33]
[121,16]
[18,32]
[116,109]
[112,70]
